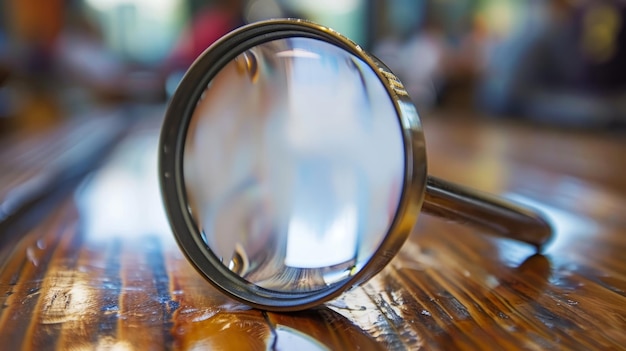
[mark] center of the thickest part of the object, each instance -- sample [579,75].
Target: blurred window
[140,30]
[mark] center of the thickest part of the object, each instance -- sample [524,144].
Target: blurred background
[556,62]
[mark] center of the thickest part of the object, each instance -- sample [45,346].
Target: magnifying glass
[293,167]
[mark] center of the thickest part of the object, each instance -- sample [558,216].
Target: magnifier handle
[501,217]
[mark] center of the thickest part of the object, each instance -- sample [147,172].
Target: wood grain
[75,283]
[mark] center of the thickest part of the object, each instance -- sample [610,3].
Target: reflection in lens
[294,164]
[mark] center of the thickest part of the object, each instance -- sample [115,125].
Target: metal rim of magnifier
[437,196]
[171,153]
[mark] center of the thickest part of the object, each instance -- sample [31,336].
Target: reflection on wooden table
[101,270]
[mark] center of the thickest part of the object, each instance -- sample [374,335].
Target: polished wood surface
[102,271]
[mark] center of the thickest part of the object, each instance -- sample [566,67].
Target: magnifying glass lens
[294,164]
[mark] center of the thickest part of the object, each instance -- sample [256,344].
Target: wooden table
[100,269]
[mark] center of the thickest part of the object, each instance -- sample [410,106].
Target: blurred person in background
[414,49]
[435,48]
[209,22]
[565,65]
[28,30]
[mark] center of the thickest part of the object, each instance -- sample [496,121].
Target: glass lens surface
[294,164]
